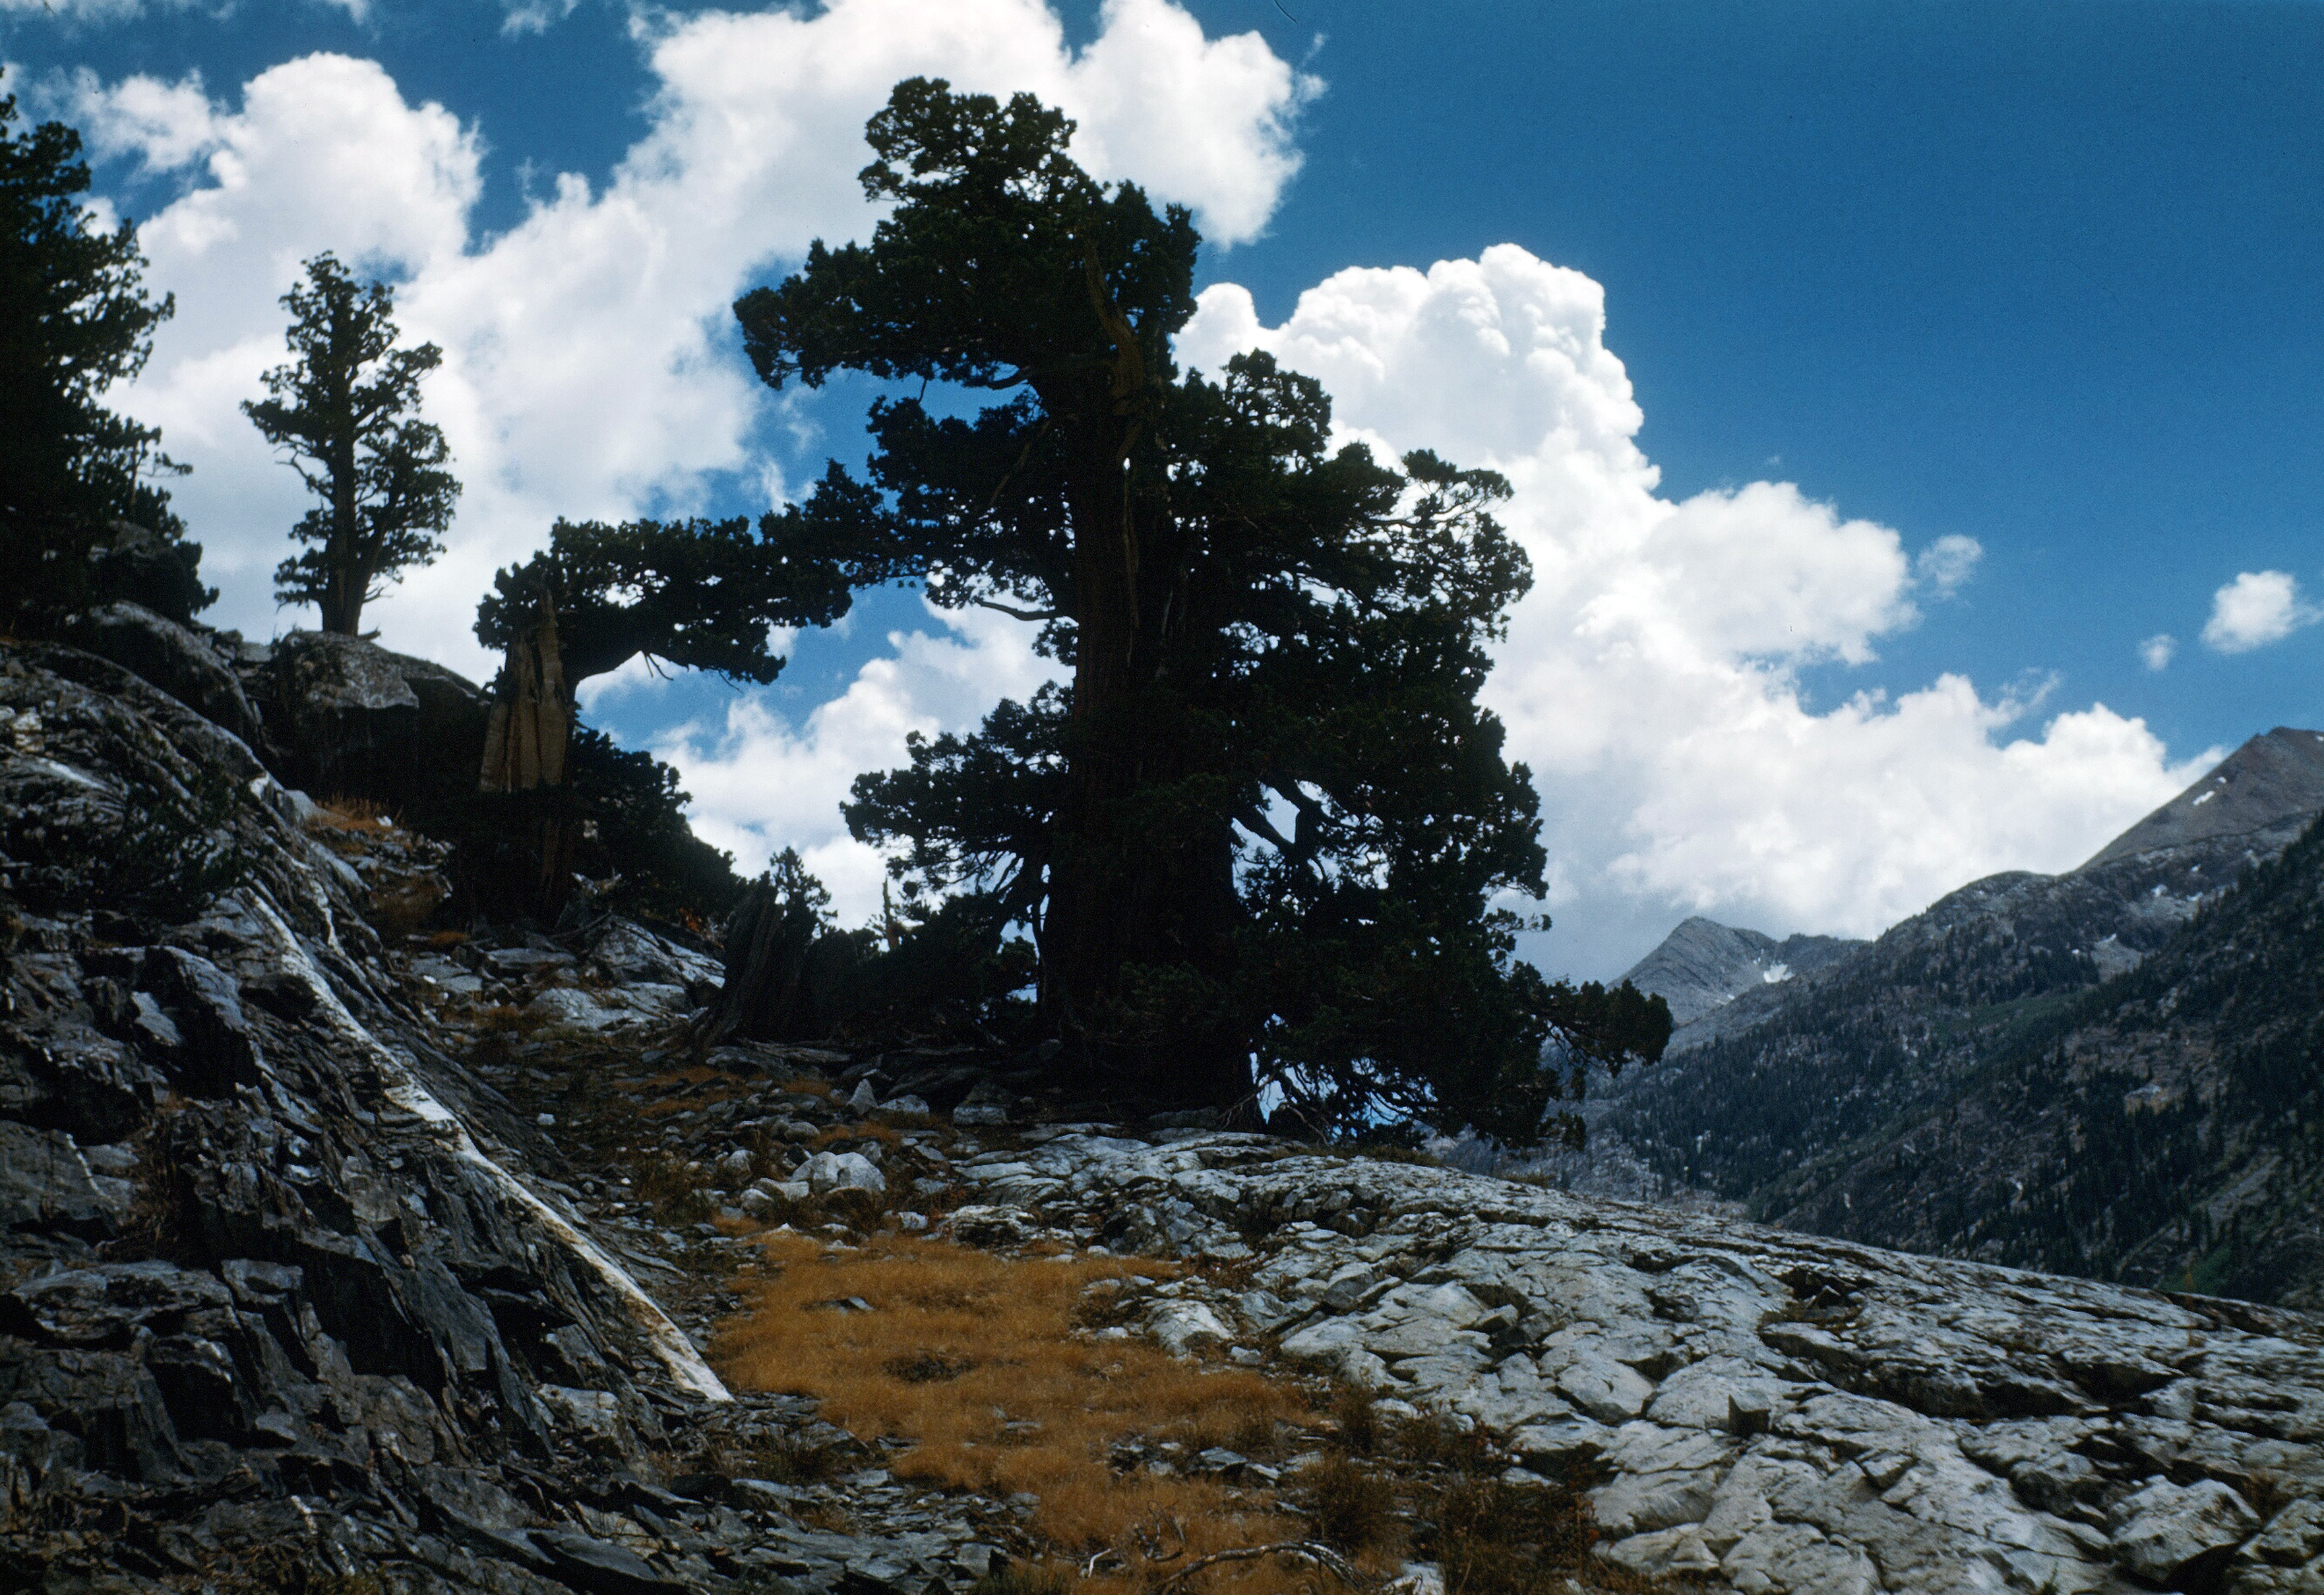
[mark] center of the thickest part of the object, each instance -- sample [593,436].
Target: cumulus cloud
[2158,651]
[1652,677]
[2255,609]
[589,365]
[1945,566]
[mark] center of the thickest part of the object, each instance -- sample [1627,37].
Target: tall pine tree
[1266,823]
[74,320]
[346,415]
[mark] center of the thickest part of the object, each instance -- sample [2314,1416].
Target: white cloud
[2255,609]
[589,367]
[166,125]
[535,16]
[1946,565]
[1651,679]
[2158,651]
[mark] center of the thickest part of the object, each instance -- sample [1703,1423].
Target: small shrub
[1359,1421]
[178,849]
[1432,1441]
[1352,1509]
[677,1192]
[1023,1581]
[1493,1538]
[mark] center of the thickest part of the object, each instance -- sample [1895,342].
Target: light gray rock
[567,1008]
[826,1171]
[2163,1527]
[1183,1328]
[1605,1389]
[1811,1415]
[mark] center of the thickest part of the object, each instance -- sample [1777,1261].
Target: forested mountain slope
[2165,1129]
[1785,1098]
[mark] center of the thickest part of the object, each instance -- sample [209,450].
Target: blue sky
[2040,276]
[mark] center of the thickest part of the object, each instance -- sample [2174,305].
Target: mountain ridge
[1778,1102]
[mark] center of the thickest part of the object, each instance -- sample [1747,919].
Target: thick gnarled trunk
[1122,896]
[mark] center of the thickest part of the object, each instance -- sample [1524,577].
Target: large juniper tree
[1265,821]
[345,413]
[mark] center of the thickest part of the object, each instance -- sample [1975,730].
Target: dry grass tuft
[366,816]
[855,1134]
[1352,1509]
[1359,1420]
[973,1358]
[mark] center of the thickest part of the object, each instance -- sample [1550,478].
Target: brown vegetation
[973,1358]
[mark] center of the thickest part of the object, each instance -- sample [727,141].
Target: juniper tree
[1266,823]
[699,593]
[74,320]
[345,414]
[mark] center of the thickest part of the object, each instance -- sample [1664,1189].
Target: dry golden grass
[973,1358]
[866,1131]
[345,813]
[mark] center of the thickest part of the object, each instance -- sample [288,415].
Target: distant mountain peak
[1703,965]
[2274,779]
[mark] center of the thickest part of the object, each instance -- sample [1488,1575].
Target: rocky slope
[340,1263]
[1785,1101]
[1761,1408]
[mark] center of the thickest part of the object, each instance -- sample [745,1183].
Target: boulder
[359,721]
[46,1184]
[1183,1328]
[2165,1532]
[173,658]
[826,1171]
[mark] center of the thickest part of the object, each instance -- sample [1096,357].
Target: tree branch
[1022,614]
[1323,1556]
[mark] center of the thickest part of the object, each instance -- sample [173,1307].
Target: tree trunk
[345,583]
[1119,895]
[525,745]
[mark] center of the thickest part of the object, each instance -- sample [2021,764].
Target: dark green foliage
[345,414]
[178,848]
[1266,820]
[697,593]
[632,824]
[74,319]
[626,817]
[792,976]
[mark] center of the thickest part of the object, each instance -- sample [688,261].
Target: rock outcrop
[349,717]
[281,1280]
[1764,1409]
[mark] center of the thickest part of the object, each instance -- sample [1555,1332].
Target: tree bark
[525,745]
[1118,898]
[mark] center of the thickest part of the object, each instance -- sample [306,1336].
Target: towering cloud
[1651,679]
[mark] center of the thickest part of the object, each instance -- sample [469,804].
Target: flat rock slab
[1775,1411]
